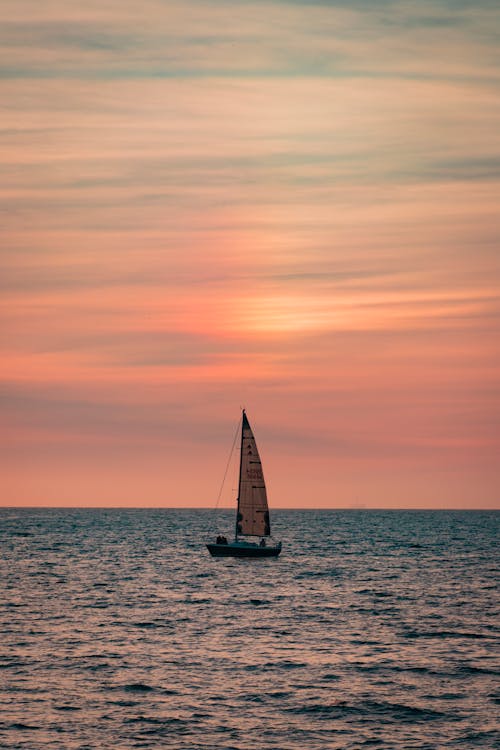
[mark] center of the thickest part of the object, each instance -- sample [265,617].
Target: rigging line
[228,462]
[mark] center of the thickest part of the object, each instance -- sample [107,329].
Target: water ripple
[373,629]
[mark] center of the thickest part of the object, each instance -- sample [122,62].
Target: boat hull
[243,550]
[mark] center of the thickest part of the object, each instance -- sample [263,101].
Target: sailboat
[252,537]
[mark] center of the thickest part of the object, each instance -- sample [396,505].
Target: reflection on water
[372,629]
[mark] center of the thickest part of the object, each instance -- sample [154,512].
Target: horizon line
[213,510]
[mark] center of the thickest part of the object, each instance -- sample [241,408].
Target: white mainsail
[253,513]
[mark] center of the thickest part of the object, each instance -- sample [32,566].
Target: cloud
[178,40]
[289,205]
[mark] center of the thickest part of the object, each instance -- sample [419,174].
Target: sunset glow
[287,206]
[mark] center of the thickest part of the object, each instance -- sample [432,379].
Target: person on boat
[262,542]
[221,540]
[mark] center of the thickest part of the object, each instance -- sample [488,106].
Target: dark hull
[236,550]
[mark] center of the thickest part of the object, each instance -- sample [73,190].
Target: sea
[373,629]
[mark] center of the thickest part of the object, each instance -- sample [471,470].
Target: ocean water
[374,629]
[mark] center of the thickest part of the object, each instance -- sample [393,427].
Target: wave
[390,711]
[482,739]
[446,634]
[19,726]
[469,669]
[332,573]
[138,687]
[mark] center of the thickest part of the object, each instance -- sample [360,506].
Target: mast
[238,519]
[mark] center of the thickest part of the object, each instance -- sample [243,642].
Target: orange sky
[287,206]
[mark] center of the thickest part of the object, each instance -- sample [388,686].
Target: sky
[288,206]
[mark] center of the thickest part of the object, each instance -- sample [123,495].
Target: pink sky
[286,206]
